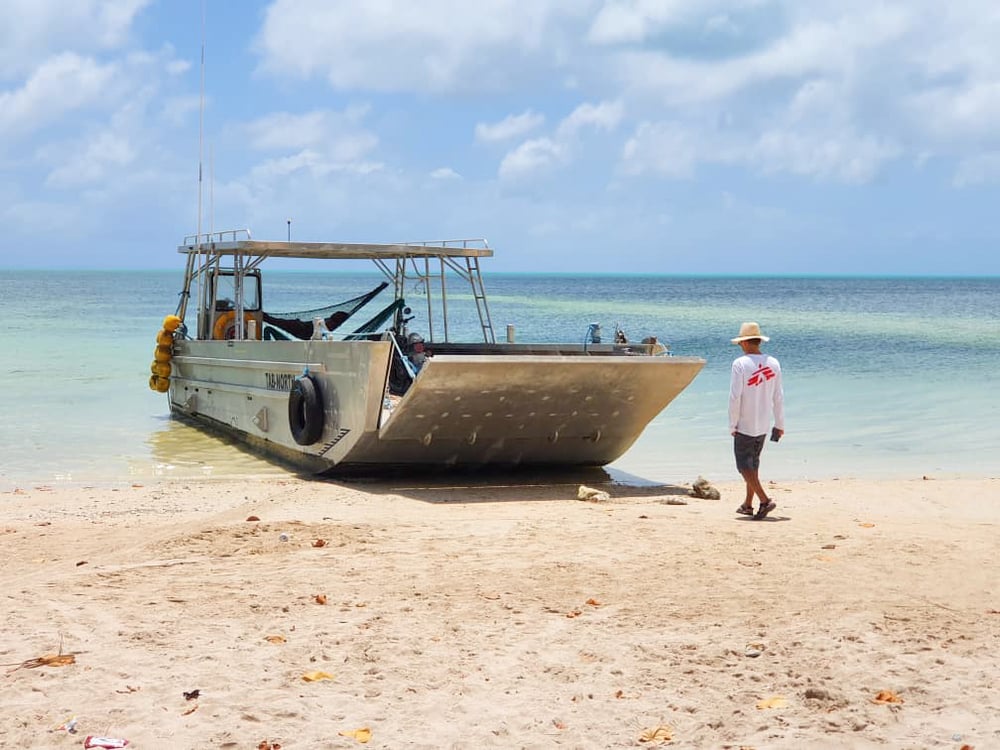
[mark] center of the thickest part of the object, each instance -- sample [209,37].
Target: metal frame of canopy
[398,262]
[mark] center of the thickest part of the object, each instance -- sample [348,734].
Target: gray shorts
[747,450]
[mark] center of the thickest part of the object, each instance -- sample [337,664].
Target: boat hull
[502,408]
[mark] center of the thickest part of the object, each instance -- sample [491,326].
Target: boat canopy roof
[477,248]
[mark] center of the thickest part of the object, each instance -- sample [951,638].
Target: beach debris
[775,701]
[67,726]
[829,546]
[672,501]
[362,735]
[660,734]
[316,676]
[49,660]
[592,495]
[253,518]
[82,562]
[886,696]
[275,639]
[190,696]
[593,602]
[319,543]
[128,689]
[559,724]
[867,525]
[320,598]
[109,743]
[190,710]
[702,488]
[753,650]
[574,613]
[265,745]
[283,537]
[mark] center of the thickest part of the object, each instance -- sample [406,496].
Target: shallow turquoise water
[883,377]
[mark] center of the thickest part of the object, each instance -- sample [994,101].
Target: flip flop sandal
[743,510]
[764,510]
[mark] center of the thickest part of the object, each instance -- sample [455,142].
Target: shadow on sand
[507,485]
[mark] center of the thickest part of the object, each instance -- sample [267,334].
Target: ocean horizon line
[570,274]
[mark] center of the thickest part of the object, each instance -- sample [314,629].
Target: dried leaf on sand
[659,734]
[886,696]
[777,701]
[316,676]
[363,735]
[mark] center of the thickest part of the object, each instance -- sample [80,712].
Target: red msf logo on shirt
[760,375]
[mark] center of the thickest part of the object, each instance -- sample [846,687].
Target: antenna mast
[202,291]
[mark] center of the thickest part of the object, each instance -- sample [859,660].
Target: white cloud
[662,148]
[530,157]
[813,48]
[435,45]
[34,30]
[313,163]
[62,84]
[623,21]
[978,170]
[178,67]
[841,156]
[445,173]
[512,126]
[95,161]
[603,116]
[339,136]
[543,154]
[721,24]
[971,109]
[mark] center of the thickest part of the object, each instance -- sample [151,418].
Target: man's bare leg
[754,487]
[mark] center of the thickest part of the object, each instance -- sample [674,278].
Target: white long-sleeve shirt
[755,393]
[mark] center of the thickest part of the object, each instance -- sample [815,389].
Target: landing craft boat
[359,386]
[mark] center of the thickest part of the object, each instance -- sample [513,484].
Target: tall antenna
[188,274]
[201,114]
[202,291]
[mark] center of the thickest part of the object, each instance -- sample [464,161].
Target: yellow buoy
[161,368]
[152,382]
[164,338]
[171,323]
[162,354]
[162,385]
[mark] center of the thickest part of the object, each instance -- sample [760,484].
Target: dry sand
[514,616]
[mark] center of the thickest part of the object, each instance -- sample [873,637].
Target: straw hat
[750,331]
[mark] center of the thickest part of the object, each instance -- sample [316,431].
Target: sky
[592,136]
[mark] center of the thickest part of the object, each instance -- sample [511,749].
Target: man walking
[755,394]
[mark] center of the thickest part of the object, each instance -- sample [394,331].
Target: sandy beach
[500,614]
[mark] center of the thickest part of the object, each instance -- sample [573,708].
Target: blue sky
[643,136]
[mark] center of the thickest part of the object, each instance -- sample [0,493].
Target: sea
[883,377]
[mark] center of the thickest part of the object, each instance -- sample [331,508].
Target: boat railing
[207,238]
[469,242]
[467,268]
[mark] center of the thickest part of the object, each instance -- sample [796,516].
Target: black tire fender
[305,410]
